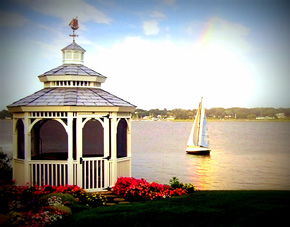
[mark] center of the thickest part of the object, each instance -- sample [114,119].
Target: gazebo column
[114,147]
[70,148]
[27,149]
[129,145]
[106,148]
[79,151]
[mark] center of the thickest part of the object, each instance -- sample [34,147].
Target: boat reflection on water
[201,171]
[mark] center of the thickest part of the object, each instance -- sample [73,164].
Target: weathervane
[74,24]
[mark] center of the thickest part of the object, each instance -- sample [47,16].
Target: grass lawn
[202,208]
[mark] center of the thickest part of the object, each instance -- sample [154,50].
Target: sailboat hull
[198,150]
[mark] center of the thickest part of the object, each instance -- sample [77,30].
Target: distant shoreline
[239,120]
[221,120]
[210,120]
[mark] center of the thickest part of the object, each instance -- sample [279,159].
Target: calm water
[245,155]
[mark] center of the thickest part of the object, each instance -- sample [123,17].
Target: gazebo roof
[77,96]
[72,69]
[73,46]
[71,85]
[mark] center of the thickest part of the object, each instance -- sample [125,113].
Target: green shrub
[75,207]
[174,182]
[189,187]
[64,198]
[5,168]
[63,208]
[94,199]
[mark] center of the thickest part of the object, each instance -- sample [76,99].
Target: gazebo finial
[74,24]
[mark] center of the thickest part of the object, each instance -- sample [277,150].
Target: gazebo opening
[93,139]
[20,139]
[122,139]
[49,141]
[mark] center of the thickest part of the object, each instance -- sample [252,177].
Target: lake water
[245,155]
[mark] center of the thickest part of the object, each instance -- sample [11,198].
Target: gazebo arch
[122,138]
[93,139]
[20,139]
[49,140]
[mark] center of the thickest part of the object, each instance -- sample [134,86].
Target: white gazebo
[72,131]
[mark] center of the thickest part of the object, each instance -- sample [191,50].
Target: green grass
[202,208]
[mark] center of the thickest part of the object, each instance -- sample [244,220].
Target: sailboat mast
[198,127]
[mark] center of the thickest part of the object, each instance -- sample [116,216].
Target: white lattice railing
[48,173]
[94,172]
[97,173]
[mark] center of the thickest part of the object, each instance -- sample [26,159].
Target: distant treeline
[5,114]
[218,112]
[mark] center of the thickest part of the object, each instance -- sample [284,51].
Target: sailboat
[74,24]
[198,142]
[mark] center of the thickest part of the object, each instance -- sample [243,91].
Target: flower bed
[139,189]
[42,205]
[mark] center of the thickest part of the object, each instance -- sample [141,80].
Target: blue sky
[155,53]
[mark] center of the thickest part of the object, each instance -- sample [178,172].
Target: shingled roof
[73,46]
[72,69]
[72,97]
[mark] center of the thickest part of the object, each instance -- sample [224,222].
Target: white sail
[198,141]
[192,140]
[204,134]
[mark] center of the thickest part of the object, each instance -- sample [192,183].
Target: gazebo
[72,131]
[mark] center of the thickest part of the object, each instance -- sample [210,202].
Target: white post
[106,150]
[70,147]
[27,149]
[79,151]
[129,146]
[114,147]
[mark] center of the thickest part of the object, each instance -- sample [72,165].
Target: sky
[154,53]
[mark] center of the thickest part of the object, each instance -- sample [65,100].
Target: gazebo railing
[52,173]
[124,167]
[94,173]
[97,173]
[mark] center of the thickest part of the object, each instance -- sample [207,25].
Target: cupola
[73,54]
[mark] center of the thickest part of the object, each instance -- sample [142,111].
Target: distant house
[265,118]
[280,115]
[170,118]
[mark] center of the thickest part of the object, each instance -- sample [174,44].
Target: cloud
[151,27]
[67,9]
[11,19]
[157,14]
[218,31]
[169,2]
[166,71]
